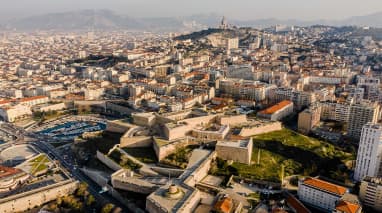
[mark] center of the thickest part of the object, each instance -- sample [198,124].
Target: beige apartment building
[309,118]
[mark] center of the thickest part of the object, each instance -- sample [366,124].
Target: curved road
[42,143]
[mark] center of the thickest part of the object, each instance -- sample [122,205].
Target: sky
[235,9]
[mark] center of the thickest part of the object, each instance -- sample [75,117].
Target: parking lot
[5,137]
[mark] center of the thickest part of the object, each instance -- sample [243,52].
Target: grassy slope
[299,155]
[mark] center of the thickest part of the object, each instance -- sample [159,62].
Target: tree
[107,208]
[82,189]
[90,201]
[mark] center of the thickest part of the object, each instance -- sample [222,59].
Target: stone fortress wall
[107,161]
[28,200]
[261,129]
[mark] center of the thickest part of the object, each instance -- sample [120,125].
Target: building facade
[238,151]
[359,115]
[370,192]
[278,111]
[369,154]
[320,194]
[309,118]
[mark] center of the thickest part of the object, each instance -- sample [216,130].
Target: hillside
[106,19]
[202,34]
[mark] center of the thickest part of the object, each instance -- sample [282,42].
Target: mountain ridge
[109,20]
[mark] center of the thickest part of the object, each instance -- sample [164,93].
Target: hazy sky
[238,9]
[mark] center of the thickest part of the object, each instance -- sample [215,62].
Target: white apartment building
[174,106]
[320,194]
[16,112]
[43,90]
[14,93]
[232,43]
[244,89]
[158,88]
[32,101]
[120,78]
[94,94]
[370,85]
[278,111]
[369,154]
[361,114]
[135,90]
[355,93]
[302,99]
[367,80]
[281,93]
[325,80]
[335,111]
[241,71]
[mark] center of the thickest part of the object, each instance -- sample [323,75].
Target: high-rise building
[369,152]
[336,111]
[370,192]
[302,99]
[359,115]
[370,85]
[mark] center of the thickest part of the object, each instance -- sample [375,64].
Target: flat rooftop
[18,152]
[237,144]
[162,200]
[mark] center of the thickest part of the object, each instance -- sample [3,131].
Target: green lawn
[160,142]
[180,157]
[145,155]
[39,168]
[42,158]
[39,164]
[103,143]
[298,154]
[123,161]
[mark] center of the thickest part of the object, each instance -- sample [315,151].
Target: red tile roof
[224,205]
[32,98]
[8,171]
[4,102]
[296,205]
[276,107]
[347,207]
[326,186]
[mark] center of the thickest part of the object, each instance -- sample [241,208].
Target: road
[244,188]
[44,145]
[42,142]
